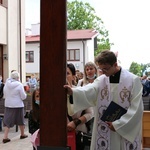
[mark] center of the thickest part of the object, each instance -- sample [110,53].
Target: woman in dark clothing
[34,115]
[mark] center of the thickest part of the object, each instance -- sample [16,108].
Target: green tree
[139,69]
[136,69]
[82,16]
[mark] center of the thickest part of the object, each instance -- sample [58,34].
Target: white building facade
[80,48]
[12,39]
[86,52]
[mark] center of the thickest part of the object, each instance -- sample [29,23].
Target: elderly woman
[14,107]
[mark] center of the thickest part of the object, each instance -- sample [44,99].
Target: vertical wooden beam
[53,106]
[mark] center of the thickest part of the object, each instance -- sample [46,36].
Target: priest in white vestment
[122,87]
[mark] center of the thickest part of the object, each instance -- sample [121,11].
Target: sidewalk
[20,144]
[16,143]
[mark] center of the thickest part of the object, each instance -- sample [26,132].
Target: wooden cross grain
[53,107]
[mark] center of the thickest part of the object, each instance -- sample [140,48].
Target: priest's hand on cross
[68,88]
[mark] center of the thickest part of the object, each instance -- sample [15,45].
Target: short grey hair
[15,75]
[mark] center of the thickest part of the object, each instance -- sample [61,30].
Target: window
[29,56]
[73,54]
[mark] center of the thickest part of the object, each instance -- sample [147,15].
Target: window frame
[69,51]
[30,58]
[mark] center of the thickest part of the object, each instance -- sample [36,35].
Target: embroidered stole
[121,94]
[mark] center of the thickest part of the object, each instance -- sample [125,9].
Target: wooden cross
[53,106]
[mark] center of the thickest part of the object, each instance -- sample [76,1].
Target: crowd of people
[14,93]
[89,94]
[32,83]
[78,120]
[145,80]
[120,86]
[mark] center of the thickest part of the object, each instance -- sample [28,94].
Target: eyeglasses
[104,69]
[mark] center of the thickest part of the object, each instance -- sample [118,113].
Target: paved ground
[16,143]
[20,144]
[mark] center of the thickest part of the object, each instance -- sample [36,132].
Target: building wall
[86,48]
[33,67]
[12,29]
[90,50]
[35,28]
[13,37]
[76,45]
[88,55]
[3,25]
